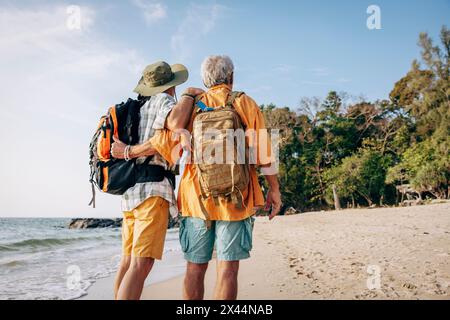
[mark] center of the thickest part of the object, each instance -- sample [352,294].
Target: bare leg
[194,281]
[133,281]
[123,268]
[227,280]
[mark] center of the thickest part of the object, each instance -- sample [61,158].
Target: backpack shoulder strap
[131,125]
[232,97]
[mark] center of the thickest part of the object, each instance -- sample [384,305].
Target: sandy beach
[335,255]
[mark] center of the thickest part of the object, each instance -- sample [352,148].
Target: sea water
[43,259]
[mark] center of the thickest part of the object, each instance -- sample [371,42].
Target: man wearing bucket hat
[146,206]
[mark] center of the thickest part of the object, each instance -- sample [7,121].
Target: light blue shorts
[231,239]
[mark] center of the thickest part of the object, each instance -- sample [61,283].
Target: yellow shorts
[144,229]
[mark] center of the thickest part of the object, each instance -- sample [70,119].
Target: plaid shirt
[153,117]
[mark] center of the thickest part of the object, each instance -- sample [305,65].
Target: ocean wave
[5,248]
[13,263]
[47,242]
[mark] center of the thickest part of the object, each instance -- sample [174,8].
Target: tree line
[370,153]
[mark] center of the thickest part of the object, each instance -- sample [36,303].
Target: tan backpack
[230,177]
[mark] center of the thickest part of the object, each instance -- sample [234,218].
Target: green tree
[424,94]
[361,175]
[426,166]
[364,149]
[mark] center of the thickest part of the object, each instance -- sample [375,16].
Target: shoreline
[172,266]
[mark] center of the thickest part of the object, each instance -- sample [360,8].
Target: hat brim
[181,75]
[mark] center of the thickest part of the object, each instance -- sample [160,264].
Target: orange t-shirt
[189,188]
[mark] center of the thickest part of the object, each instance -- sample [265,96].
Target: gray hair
[216,70]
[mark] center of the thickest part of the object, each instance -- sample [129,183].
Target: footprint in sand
[409,286]
[439,290]
[357,264]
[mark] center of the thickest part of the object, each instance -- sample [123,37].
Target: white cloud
[284,68]
[197,23]
[326,83]
[41,38]
[261,88]
[315,83]
[55,84]
[152,11]
[343,80]
[320,71]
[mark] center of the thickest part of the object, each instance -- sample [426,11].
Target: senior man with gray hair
[229,228]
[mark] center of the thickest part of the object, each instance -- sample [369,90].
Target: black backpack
[116,176]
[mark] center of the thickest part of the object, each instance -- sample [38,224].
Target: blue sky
[295,48]
[56,82]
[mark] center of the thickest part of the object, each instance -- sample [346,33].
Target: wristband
[188,95]
[127,153]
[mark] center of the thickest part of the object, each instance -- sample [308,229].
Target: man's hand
[181,113]
[273,201]
[194,91]
[137,151]
[118,149]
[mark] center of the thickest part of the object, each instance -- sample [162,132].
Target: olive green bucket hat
[160,76]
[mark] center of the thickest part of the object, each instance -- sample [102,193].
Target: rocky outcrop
[91,223]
